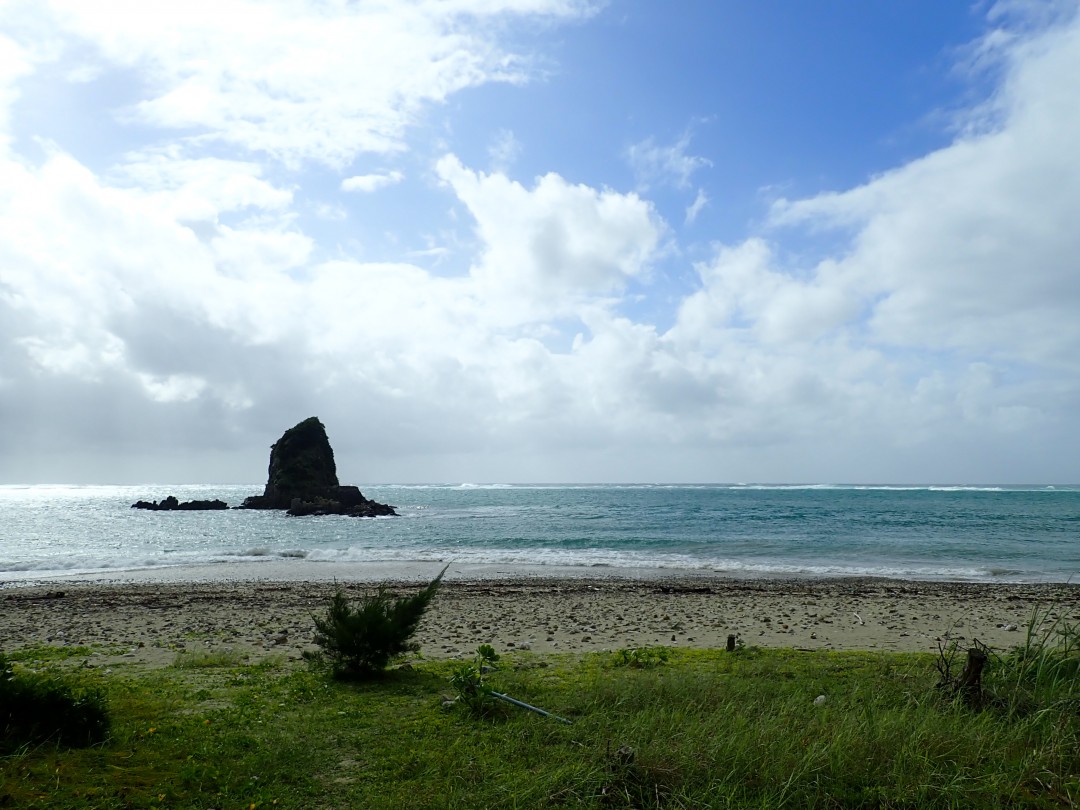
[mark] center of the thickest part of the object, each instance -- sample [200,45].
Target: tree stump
[970,684]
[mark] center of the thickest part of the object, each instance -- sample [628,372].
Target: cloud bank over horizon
[219,219]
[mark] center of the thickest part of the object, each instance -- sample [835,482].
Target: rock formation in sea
[171,504]
[303,478]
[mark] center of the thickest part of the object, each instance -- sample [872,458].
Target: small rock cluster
[171,503]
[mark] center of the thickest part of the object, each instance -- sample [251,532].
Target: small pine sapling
[359,642]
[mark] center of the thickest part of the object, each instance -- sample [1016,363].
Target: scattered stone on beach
[261,619]
[302,478]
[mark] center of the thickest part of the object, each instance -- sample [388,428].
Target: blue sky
[541,240]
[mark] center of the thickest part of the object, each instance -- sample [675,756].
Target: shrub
[39,707]
[358,642]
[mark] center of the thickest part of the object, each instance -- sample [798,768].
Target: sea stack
[303,478]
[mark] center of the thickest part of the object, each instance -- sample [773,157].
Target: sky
[541,240]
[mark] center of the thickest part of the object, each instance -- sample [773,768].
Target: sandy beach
[148,618]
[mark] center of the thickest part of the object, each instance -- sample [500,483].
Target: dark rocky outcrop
[302,478]
[340,501]
[171,504]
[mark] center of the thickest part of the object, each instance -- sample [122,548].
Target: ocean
[991,534]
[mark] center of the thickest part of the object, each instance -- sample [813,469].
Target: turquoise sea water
[1024,534]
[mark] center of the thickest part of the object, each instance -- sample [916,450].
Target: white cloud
[15,63]
[670,165]
[696,207]
[67,354]
[543,249]
[371,182]
[180,295]
[742,290]
[972,248]
[330,213]
[251,253]
[504,151]
[173,388]
[301,80]
[945,320]
[118,293]
[197,189]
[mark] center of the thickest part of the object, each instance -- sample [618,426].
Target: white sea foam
[264,551]
[732,486]
[543,558]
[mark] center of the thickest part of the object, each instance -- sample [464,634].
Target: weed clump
[39,707]
[469,680]
[1039,676]
[357,643]
[641,657]
[1043,673]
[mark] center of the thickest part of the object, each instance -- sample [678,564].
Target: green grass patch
[700,729]
[41,707]
[201,659]
[43,653]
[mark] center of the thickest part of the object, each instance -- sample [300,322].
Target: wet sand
[149,618]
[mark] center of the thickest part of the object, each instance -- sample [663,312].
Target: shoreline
[149,617]
[375,571]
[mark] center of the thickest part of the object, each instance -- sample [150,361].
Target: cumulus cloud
[173,306]
[931,321]
[970,249]
[546,247]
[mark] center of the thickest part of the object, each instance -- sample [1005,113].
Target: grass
[692,729]
[203,659]
[39,707]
